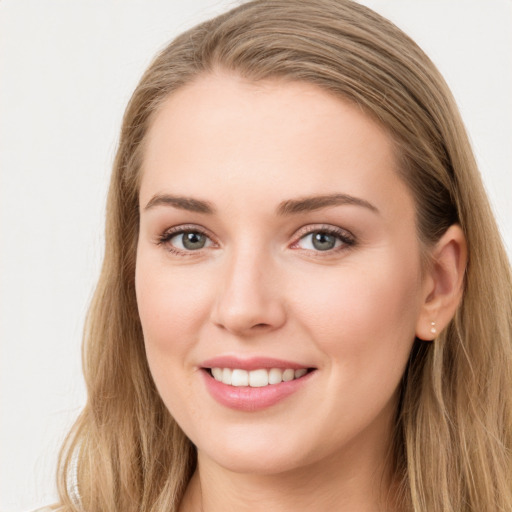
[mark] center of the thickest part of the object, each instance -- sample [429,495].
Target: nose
[250,299]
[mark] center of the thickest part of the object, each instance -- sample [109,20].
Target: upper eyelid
[308,228]
[313,228]
[183,228]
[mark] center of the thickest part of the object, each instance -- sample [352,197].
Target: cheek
[363,321]
[365,312]
[172,305]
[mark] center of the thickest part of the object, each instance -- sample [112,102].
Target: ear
[443,283]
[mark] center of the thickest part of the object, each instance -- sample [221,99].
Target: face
[278,273]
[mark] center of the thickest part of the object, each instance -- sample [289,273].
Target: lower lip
[249,399]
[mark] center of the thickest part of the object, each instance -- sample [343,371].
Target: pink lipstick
[253,384]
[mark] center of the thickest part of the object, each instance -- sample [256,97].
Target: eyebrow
[288,207]
[183,203]
[311,203]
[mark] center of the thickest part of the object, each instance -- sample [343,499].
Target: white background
[67,69]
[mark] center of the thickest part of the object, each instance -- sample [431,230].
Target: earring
[433,329]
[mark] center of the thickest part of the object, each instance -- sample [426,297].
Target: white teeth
[300,373]
[256,378]
[240,378]
[217,373]
[288,375]
[226,375]
[275,376]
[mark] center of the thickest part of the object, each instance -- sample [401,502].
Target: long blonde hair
[453,425]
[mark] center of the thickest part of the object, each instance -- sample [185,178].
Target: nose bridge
[249,298]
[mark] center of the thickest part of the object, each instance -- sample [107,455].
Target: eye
[189,240]
[180,240]
[325,239]
[319,241]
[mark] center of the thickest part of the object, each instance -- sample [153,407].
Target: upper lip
[252,363]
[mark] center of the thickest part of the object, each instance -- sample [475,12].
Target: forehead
[279,138]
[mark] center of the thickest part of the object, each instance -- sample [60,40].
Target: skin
[259,287]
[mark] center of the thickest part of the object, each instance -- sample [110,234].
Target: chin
[258,455]
[255,464]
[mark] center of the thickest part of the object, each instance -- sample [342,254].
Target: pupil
[323,241]
[193,240]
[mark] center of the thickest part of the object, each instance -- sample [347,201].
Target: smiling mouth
[256,378]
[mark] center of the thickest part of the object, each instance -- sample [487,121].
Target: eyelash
[346,238]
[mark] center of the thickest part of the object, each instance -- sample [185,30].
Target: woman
[305,302]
